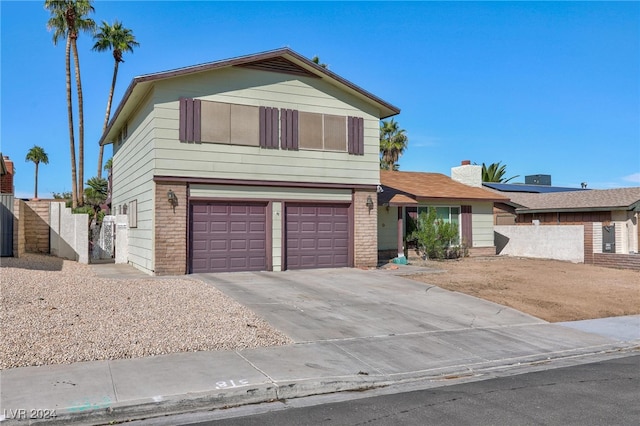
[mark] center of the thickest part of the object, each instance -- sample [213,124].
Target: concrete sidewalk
[354,330]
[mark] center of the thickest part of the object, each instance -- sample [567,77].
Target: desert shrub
[435,238]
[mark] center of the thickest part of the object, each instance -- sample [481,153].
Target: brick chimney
[467,173]
[6,182]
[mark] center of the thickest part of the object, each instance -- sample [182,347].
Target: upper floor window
[218,122]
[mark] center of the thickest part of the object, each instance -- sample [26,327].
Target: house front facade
[262,162]
[407,194]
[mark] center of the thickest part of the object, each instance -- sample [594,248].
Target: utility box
[538,180]
[609,239]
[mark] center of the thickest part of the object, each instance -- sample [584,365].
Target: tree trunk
[35,196]
[80,186]
[107,115]
[72,145]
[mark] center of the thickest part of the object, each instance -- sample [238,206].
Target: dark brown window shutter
[190,120]
[268,127]
[465,223]
[183,119]
[289,129]
[197,117]
[355,136]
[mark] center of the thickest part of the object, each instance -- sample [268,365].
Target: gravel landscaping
[55,311]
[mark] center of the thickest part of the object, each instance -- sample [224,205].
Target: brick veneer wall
[622,261]
[482,251]
[609,260]
[170,230]
[6,180]
[588,242]
[365,229]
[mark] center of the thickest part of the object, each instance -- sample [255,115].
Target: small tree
[435,238]
[96,194]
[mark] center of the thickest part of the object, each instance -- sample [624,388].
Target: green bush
[435,238]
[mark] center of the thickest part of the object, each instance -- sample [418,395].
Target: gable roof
[406,188]
[282,60]
[592,200]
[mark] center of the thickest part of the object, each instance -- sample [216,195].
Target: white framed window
[448,214]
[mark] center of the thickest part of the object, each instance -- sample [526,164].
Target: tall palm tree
[495,173]
[393,142]
[37,155]
[118,39]
[68,19]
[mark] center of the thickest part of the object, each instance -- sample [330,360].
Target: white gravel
[54,311]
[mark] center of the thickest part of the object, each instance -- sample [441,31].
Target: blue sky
[544,87]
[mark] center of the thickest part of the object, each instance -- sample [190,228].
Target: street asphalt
[353,330]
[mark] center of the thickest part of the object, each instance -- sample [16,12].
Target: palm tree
[495,173]
[118,39]
[37,155]
[393,142]
[109,163]
[68,19]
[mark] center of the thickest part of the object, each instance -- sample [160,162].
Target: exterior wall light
[172,198]
[369,203]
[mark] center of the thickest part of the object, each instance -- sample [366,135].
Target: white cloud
[423,142]
[635,178]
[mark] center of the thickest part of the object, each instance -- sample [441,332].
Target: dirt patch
[547,289]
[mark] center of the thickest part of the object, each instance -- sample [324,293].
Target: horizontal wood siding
[388,228]
[259,88]
[268,193]
[133,180]
[482,224]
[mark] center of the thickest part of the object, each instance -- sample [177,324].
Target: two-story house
[261,162]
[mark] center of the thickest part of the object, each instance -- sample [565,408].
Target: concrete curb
[159,406]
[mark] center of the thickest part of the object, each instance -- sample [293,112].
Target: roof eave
[574,209]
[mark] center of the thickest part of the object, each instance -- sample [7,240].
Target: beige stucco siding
[133,180]
[259,88]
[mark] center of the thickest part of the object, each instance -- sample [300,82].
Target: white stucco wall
[69,233]
[469,174]
[562,242]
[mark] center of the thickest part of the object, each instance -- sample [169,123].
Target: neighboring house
[262,162]
[6,206]
[618,208]
[505,213]
[407,194]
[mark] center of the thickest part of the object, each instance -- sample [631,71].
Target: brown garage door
[317,236]
[228,237]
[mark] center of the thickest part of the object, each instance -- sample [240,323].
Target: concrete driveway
[335,304]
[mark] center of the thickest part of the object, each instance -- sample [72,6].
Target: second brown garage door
[317,236]
[228,237]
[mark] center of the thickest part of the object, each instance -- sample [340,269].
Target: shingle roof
[595,199]
[420,186]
